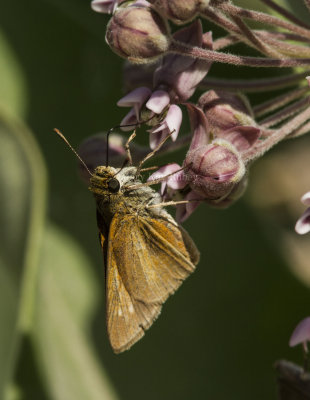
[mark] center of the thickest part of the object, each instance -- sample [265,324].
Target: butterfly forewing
[147,260]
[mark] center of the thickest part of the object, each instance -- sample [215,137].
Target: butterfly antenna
[74,151]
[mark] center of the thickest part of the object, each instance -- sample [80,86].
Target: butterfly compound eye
[113,185]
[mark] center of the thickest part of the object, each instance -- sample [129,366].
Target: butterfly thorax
[115,193]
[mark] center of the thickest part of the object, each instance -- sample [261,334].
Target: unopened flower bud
[212,170]
[225,110]
[137,32]
[179,11]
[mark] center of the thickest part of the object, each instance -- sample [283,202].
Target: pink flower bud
[179,11]
[225,110]
[213,169]
[137,32]
[135,99]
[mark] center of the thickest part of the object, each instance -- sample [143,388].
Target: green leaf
[47,291]
[12,81]
[22,202]
[66,297]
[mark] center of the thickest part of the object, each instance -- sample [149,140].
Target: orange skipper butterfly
[147,255]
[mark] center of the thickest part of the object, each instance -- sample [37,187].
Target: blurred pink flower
[303,224]
[301,334]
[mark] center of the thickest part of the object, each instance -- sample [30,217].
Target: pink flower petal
[242,137]
[171,123]
[135,99]
[303,224]
[306,199]
[301,333]
[104,6]
[158,136]
[160,128]
[185,82]
[129,119]
[199,126]
[173,64]
[158,101]
[177,180]
[138,95]
[173,120]
[162,173]
[141,3]
[185,210]
[182,74]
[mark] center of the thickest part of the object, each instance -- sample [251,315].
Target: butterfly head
[109,180]
[104,181]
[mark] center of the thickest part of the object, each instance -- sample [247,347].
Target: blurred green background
[217,338]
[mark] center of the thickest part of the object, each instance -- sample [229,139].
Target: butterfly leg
[149,169]
[171,203]
[155,181]
[151,154]
[127,148]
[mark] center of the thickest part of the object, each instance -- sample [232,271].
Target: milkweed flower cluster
[168,66]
